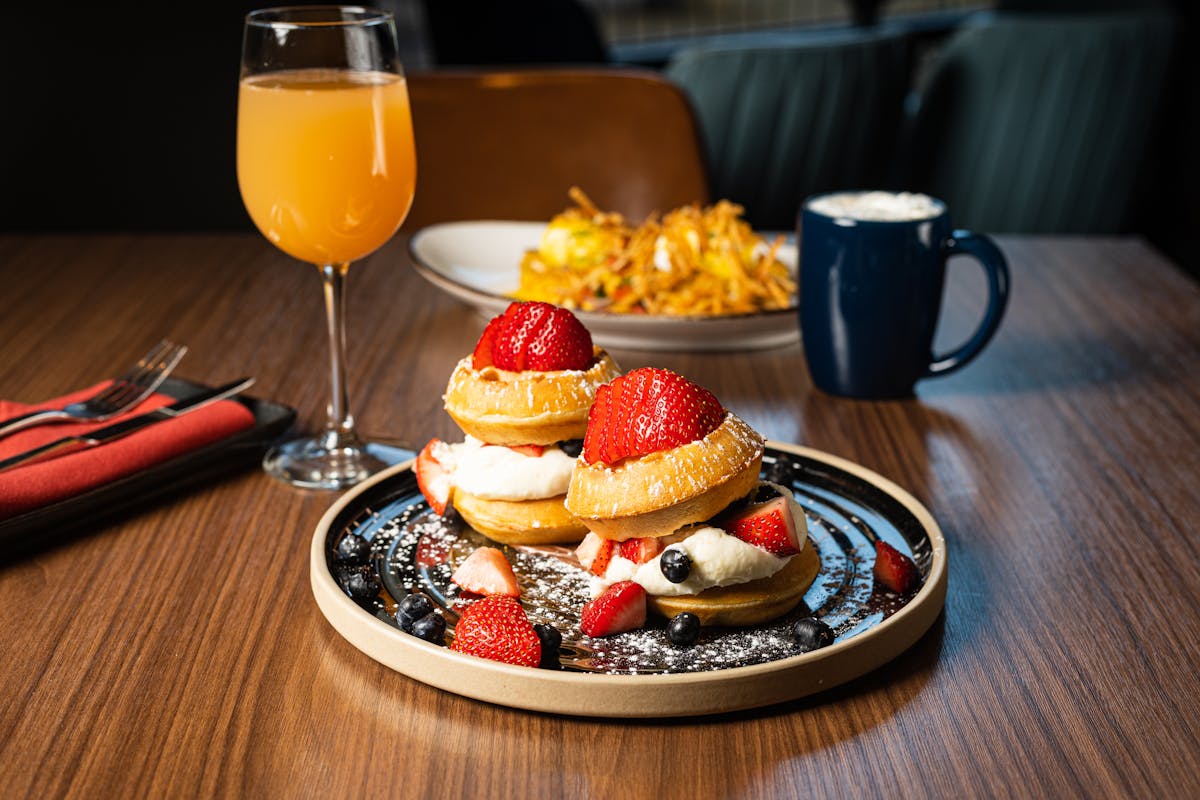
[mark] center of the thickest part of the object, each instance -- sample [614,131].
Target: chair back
[1040,123]
[509,145]
[804,115]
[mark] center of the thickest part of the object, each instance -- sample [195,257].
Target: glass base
[330,461]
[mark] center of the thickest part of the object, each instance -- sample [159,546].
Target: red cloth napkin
[41,483]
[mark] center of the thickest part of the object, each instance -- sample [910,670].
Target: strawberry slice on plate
[487,571]
[894,570]
[622,607]
[646,411]
[769,525]
[497,628]
[432,478]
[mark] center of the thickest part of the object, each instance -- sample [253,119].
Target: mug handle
[992,260]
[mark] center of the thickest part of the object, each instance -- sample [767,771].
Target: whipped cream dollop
[718,559]
[495,472]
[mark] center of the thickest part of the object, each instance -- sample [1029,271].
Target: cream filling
[718,559]
[495,472]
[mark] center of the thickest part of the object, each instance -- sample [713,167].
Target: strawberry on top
[646,411]
[534,336]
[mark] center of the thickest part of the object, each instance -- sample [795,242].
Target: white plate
[479,262]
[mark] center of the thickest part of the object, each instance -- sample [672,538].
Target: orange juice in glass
[327,170]
[325,160]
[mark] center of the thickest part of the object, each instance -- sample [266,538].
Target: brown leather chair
[508,145]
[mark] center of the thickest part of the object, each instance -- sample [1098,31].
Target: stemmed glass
[327,170]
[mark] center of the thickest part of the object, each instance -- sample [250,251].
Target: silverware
[118,397]
[72,444]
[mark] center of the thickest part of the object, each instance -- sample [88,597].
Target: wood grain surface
[177,652]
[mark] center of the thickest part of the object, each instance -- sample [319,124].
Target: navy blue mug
[871,293]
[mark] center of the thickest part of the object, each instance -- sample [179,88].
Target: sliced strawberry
[432,478]
[487,571]
[646,411]
[561,343]
[497,628]
[534,336]
[594,553]
[531,450]
[587,549]
[640,550]
[482,357]
[894,570]
[768,525]
[432,551]
[603,556]
[519,326]
[622,607]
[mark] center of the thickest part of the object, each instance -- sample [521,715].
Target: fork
[118,397]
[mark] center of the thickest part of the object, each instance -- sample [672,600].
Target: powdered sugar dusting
[412,548]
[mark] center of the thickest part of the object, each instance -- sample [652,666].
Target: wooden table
[177,651]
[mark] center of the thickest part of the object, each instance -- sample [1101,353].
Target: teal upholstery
[799,117]
[1036,123]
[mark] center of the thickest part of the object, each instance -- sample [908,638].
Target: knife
[73,444]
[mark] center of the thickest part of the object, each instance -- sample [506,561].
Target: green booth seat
[801,115]
[1034,123]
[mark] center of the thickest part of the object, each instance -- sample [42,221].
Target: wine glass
[327,169]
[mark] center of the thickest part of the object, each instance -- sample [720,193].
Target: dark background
[122,117]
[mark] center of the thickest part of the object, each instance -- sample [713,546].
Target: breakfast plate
[638,673]
[479,262]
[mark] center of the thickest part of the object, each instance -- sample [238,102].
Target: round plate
[640,674]
[479,263]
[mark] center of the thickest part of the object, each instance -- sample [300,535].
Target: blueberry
[572,447]
[431,628]
[684,628]
[765,492]
[551,641]
[412,608]
[779,471]
[675,564]
[812,634]
[361,584]
[353,549]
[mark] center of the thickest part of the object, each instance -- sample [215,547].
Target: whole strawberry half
[534,336]
[622,607]
[646,411]
[894,570]
[768,525]
[496,627]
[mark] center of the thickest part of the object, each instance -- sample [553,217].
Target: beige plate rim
[646,696]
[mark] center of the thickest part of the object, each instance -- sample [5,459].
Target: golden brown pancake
[658,493]
[499,406]
[748,603]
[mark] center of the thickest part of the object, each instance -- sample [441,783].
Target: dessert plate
[479,262]
[640,674]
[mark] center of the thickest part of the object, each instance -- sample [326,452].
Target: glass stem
[341,424]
